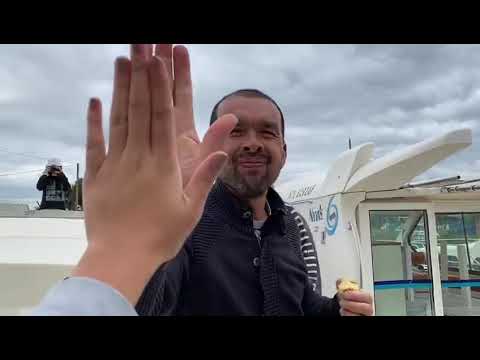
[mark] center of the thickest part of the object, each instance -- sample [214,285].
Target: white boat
[405,243]
[416,247]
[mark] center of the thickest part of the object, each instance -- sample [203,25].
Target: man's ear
[284,154]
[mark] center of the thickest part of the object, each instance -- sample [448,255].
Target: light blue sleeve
[80,296]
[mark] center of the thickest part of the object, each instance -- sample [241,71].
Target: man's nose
[252,143]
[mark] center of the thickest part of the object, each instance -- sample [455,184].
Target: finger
[202,180]
[163,126]
[95,152]
[182,90]
[149,50]
[139,110]
[119,112]
[358,296]
[165,52]
[216,135]
[357,308]
[344,312]
[143,51]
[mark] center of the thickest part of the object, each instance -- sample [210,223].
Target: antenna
[349,143]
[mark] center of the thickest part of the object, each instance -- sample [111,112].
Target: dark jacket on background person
[55,191]
[224,270]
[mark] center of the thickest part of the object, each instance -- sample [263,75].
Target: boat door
[458,238]
[424,257]
[399,242]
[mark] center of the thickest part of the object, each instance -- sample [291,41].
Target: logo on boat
[332,217]
[316,214]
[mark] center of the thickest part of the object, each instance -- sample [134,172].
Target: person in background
[55,186]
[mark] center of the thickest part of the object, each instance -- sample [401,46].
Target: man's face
[255,147]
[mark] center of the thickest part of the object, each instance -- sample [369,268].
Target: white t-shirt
[257,228]
[258,224]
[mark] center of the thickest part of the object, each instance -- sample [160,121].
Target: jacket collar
[224,204]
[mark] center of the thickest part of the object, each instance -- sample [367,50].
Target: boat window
[401,263]
[458,236]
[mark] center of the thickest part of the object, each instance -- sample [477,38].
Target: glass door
[401,262]
[399,241]
[458,235]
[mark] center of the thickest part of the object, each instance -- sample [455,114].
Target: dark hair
[247,93]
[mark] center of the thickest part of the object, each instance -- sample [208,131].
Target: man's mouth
[252,163]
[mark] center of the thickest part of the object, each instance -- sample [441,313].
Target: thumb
[203,178]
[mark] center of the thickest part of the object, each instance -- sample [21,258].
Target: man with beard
[243,258]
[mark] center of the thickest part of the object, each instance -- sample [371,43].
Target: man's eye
[269,133]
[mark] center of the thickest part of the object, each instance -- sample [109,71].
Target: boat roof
[356,171]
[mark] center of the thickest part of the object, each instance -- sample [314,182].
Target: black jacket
[55,191]
[222,270]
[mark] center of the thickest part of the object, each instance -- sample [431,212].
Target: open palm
[191,151]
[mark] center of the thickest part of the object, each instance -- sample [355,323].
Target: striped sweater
[223,269]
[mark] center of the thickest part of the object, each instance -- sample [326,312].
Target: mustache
[244,156]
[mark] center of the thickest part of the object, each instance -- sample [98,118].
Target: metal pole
[76,187]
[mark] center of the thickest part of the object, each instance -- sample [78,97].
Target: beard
[245,183]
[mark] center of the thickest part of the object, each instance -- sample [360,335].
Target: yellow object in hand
[347,285]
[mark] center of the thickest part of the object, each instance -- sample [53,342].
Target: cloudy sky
[392,95]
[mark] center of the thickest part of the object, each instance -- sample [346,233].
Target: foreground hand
[355,303]
[136,223]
